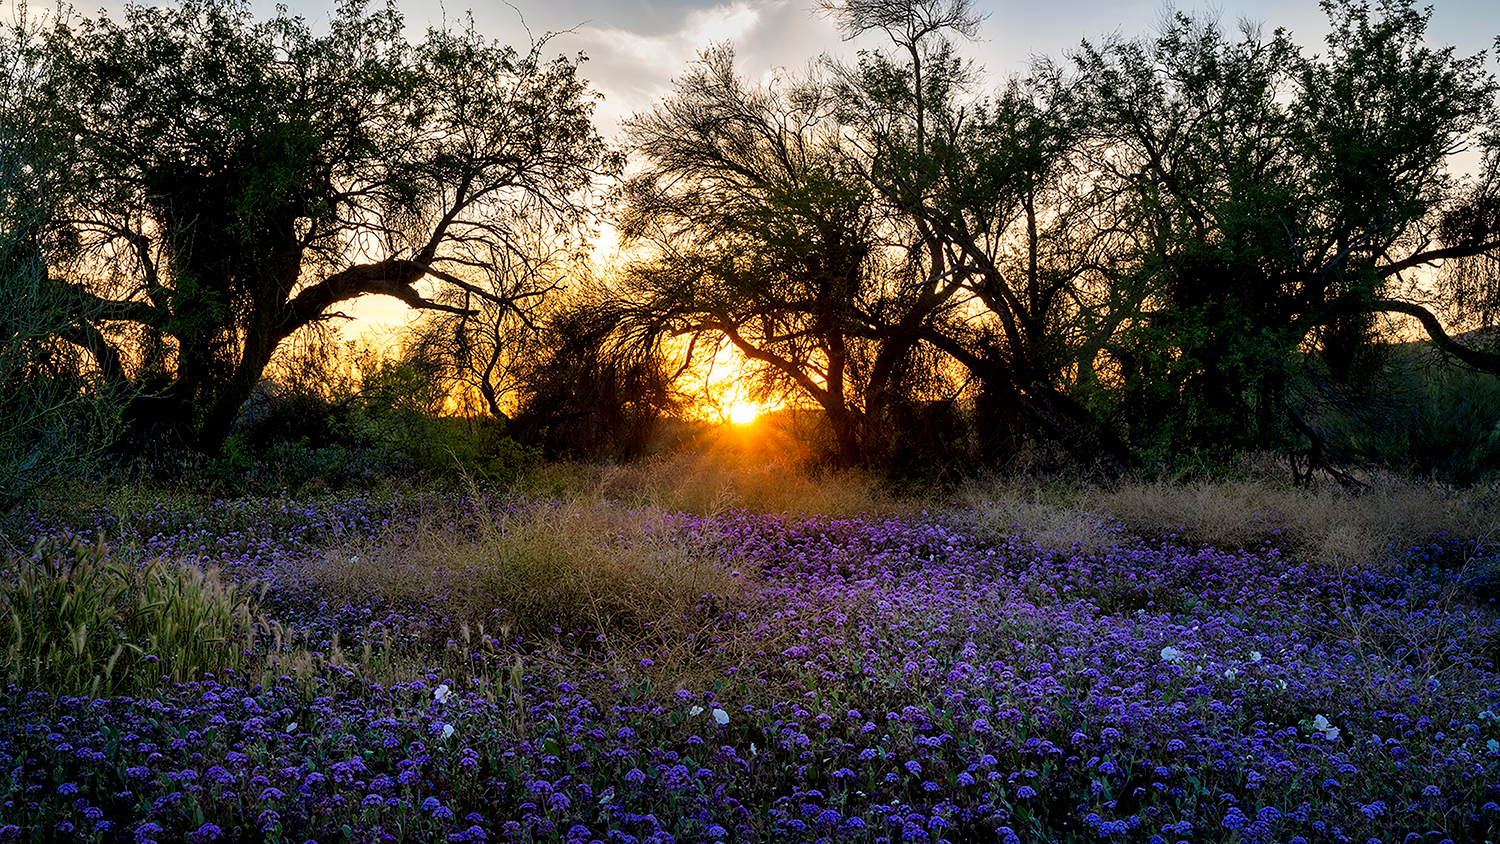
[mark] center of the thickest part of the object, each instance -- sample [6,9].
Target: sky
[636,47]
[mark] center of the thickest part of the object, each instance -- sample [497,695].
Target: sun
[743,413]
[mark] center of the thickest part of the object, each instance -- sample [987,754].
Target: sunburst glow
[743,413]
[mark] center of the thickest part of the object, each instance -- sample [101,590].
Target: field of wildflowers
[387,670]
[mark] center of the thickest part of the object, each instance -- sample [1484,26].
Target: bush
[340,432]
[59,411]
[1433,419]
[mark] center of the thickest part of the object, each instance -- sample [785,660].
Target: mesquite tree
[1278,205]
[1001,231]
[228,182]
[758,238]
[1168,234]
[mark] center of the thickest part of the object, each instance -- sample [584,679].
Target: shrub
[343,432]
[479,448]
[1425,416]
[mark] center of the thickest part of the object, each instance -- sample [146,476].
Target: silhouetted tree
[55,413]
[603,378]
[1274,203]
[485,348]
[232,181]
[758,236]
[1000,240]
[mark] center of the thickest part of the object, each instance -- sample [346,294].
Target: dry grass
[611,570]
[709,484]
[1325,523]
[1052,516]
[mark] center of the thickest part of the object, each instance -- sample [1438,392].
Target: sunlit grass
[1320,524]
[739,476]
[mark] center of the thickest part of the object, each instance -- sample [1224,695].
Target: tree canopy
[1150,245]
[218,183]
[1197,240]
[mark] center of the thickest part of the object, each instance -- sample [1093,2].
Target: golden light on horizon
[743,412]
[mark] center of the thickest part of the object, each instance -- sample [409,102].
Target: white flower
[753,751]
[1493,745]
[1255,656]
[695,710]
[721,716]
[442,693]
[291,728]
[1320,725]
[1229,674]
[1171,654]
[447,731]
[354,558]
[1283,684]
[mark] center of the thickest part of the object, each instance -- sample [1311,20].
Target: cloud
[634,68]
[722,23]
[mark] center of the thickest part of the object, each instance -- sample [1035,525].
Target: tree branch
[392,277]
[1479,359]
[1435,255]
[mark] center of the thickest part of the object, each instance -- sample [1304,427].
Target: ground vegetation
[569,666]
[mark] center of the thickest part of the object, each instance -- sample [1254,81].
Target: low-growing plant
[434,671]
[80,620]
[1425,415]
[534,570]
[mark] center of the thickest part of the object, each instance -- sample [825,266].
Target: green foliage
[1452,433]
[1203,385]
[208,164]
[56,418]
[1154,251]
[480,449]
[393,410]
[80,620]
[1270,199]
[57,414]
[335,433]
[1437,420]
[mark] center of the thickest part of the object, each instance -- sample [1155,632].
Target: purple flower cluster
[907,680]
